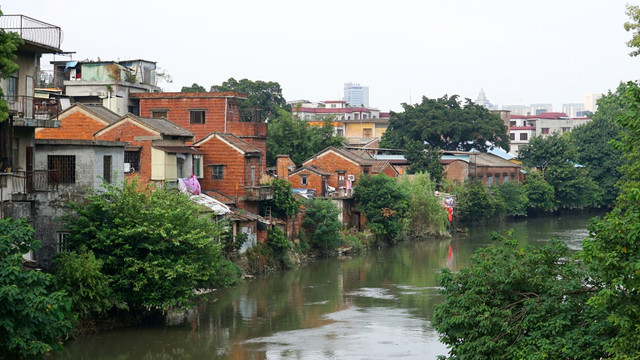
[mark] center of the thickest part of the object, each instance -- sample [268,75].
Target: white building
[590,102]
[523,128]
[517,109]
[573,109]
[356,95]
[537,109]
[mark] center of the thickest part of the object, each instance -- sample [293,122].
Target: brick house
[310,178]
[79,122]
[490,169]
[346,166]
[156,150]
[233,168]
[204,113]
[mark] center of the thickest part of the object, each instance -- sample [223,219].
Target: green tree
[446,124]
[283,203]
[520,303]
[424,160]
[195,88]
[541,195]
[474,202]
[384,204]
[593,143]
[633,11]
[612,249]
[296,138]
[426,216]
[321,223]
[80,275]
[156,245]
[543,152]
[265,96]
[33,319]
[514,197]
[9,42]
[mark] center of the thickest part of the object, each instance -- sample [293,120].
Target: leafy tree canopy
[424,159]
[633,25]
[265,96]
[155,245]
[446,124]
[321,223]
[9,42]
[283,203]
[33,319]
[547,151]
[384,203]
[296,138]
[195,88]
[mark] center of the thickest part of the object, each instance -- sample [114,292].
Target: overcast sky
[520,52]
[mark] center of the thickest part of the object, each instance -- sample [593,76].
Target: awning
[70,64]
[178,150]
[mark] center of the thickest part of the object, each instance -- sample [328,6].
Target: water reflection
[378,305]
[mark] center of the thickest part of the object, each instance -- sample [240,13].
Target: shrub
[384,203]
[321,224]
[426,215]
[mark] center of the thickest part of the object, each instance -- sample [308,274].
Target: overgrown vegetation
[155,245]
[425,216]
[33,318]
[321,224]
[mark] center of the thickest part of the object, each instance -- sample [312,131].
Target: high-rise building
[356,95]
[517,109]
[483,101]
[590,102]
[537,109]
[573,109]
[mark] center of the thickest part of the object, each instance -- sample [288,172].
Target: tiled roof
[162,126]
[233,140]
[312,168]
[101,112]
[177,149]
[379,166]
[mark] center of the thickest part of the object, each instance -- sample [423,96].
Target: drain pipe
[226,99]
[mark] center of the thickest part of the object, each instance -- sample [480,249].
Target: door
[29,168]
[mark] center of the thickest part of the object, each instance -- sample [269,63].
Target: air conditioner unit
[127,168]
[351,178]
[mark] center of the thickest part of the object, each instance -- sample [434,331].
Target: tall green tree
[292,136]
[541,195]
[33,319]
[446,124]
[594,147]
[424,159]
[321,223]
[612,249]
[384,204]
[9,42]
[155,245]
[283,204]
[195,88]
[265,96]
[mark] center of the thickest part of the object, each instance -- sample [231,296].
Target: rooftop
[38,36]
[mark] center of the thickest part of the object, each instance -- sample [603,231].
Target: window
[489,179]
[333,105]
[197,164]
[545,130]
[512,123]
[304,180]
[512,136]
[505,177]
[132,158]
[340,132]
[217,172]
[63,168]
[12,89]
[565,129]
[497,177]
[364,116]
[106,168]
[14,153]
[513,176]
[160,113]
[63,242]
[523,136]
[341,178]
[196,116]
[367,132]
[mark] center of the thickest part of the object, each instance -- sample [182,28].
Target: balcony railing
[258,193]
[26,182]
[33,30]
[29,107]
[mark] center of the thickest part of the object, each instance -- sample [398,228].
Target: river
[377,305]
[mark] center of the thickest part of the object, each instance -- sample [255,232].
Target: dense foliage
[384,204]
[540,194]
[446,124]
[520,303]
[9,42]
[426,215]
[424,159]
[633,11]
[265,96]
[195,88]
[79,273]
[321,224]
[283,203]
[156,245]
[33,319]
[295,137]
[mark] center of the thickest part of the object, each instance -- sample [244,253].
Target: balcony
[40,36]
[17,184]
[258,193]
[33,108]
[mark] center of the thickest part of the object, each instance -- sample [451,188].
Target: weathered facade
[490,169]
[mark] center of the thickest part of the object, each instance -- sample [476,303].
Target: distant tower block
[356,95]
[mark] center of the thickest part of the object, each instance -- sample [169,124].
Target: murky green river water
[372,306]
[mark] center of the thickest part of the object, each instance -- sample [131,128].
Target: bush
[384,204]
[513,198]
[540,194]
[321,224]
[277,242]
[474,202]
[33,319]
[426,215]
[80,275]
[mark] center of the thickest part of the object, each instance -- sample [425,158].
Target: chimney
[283,163]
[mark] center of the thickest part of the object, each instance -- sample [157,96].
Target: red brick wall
[218,152]
[390,171]
[331,162]
[283,162]
[127,132]
[456,171]
[74,126]
[314,181]
[485,171]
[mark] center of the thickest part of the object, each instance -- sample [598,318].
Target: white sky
[520,52]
